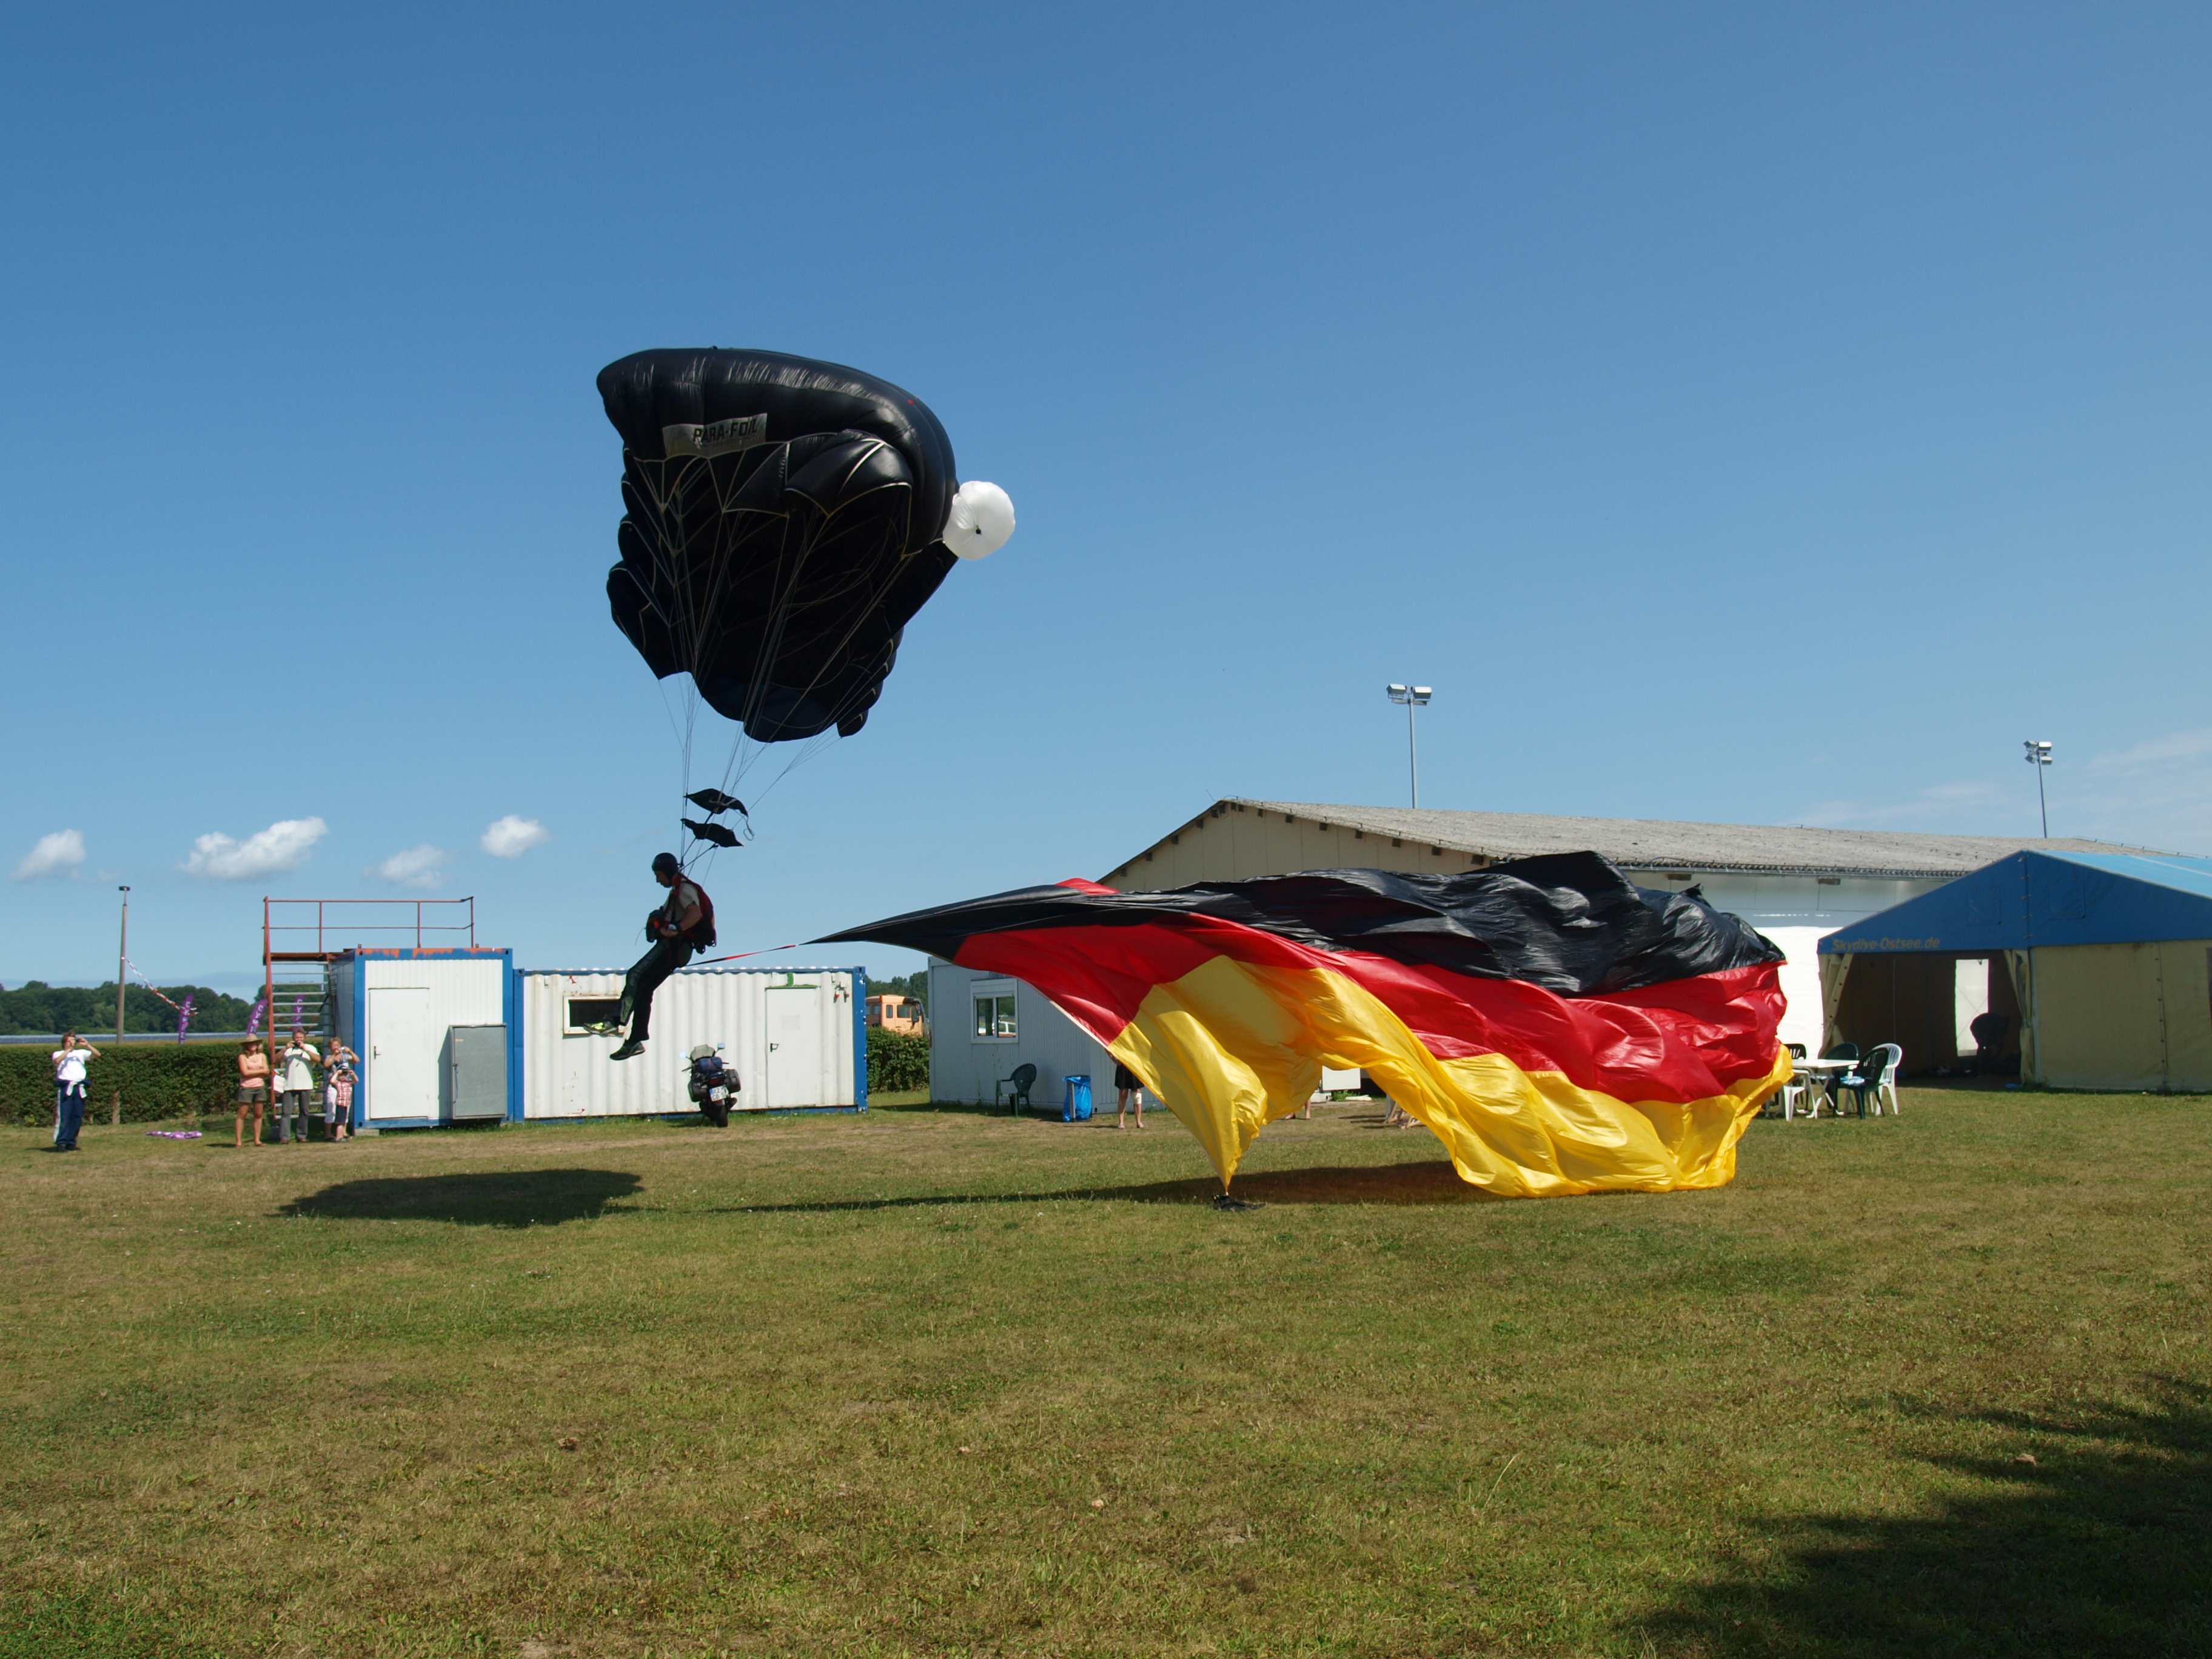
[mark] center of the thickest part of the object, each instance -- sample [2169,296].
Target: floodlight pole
[1413,756]
[122,961]
[1413,696]
[2039,757]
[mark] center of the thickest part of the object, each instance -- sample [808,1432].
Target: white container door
[403,1053]
[794,1046]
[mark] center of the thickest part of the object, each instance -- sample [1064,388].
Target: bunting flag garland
[182,1009]
[1560,1029]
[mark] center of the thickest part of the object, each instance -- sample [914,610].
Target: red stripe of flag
[1683,1040]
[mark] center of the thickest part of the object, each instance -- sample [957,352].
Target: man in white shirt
[684,923]
[295,1087]
[70,1061]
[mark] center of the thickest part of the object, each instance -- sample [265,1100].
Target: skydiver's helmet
[665,864]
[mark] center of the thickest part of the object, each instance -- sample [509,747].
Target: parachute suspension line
[788,582]
[809,748]
[667,501]
[780,613]
[674,491]
[818,525]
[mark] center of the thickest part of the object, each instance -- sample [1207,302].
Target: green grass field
[931,1382]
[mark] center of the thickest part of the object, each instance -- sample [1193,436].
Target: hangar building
[1793,883]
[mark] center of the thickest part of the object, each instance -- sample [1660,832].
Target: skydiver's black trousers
[666,955]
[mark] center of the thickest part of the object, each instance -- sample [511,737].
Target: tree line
[35,1007]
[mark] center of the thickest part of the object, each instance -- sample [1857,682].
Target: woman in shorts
[1127,1086]
[338,1092]
[252,1090]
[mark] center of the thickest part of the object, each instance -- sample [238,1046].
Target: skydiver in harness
[685,923]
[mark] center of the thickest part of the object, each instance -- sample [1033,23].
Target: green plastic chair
[1014,1089]
[1839,1051]
[1875,1076]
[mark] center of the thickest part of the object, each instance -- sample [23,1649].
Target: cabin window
[995,1020]
[585,1012]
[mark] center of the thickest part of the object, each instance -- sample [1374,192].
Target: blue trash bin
[1076,1108]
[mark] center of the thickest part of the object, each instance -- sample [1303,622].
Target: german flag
[1559,1029]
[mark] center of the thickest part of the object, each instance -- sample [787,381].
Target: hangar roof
[1657,843]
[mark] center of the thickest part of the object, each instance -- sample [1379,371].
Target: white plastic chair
[1790,1096]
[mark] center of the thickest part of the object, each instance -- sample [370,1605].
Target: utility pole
[2039,757]
[122,977]
[1413,696]
[122,961]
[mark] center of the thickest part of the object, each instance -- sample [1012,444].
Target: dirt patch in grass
[940,1381]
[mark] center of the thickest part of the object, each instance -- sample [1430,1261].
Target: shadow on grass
[1391,1183]
[2103,1546]
[517,1198]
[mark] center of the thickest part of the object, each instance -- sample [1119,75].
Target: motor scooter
[712,1082]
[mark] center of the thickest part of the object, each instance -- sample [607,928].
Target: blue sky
[1759,413]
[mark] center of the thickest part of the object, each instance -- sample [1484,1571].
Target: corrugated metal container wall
[794,1036]
[411,1003]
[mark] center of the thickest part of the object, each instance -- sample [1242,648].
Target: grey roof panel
[1655,843]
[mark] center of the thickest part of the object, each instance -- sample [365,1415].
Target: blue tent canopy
[2045,898]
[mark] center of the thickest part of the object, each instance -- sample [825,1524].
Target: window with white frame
[993,1001]
[588,1016]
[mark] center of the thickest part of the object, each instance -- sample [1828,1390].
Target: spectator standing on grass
[297,1077]
[70,1061]
[252,1090]
[1128,1087]
[339,1068]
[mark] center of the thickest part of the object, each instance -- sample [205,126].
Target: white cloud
[2157,793]
[57,855]
[282,846]
[1971,789]
[513,836]
[418,866]
[1928,805]
[2180,746]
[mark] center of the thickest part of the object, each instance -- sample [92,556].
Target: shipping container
[406,1013]
[797,1038]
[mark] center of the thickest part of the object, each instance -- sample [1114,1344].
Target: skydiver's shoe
[629,1050]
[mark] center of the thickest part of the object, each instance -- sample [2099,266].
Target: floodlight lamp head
[2038,752]
[1397,693]
[1421,694]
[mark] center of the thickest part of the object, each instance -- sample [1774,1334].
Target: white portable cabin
[796,1037]
[437,1032]
[983,1026]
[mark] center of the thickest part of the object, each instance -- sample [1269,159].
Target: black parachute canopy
[785,521]
[714,801]
[718,833]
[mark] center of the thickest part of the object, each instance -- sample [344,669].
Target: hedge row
[897,1060]
[164,1080]
[158,1081]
